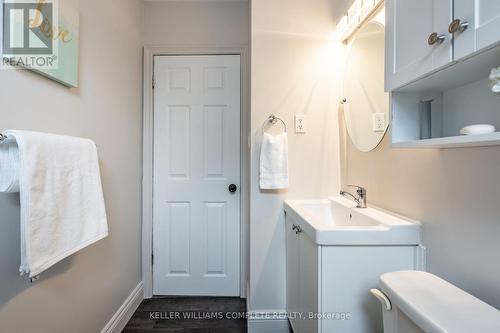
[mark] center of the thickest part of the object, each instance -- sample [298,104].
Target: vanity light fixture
[359,12]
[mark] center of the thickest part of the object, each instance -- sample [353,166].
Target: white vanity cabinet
[411,52]
[328,285]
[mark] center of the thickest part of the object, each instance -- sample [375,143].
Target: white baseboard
[269,321]
[126,310]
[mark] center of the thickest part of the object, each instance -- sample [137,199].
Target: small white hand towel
[62,203]
[9,166]
[274,162]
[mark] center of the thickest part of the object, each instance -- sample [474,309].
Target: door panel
[196,228]
[215,240]
[179,222]
[178,141]
[214,141]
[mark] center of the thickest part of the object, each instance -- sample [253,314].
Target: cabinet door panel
[488,23]
[465,42]
[409,24]
[309,282]
[348,273]
[292,274]
[484,24]
[442,16]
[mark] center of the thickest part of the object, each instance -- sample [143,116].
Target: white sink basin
[336,221]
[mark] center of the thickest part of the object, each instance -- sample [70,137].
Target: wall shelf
[482,140]
[461,95]
[438,74]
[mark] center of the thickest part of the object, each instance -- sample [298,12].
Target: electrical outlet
[378,122]
[300,124]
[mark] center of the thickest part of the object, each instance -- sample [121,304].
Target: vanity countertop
[336,221]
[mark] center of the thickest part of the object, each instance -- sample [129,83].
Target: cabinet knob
[434,38]
[458,26]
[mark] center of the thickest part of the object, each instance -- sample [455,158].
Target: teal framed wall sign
[67,38]
[41,36]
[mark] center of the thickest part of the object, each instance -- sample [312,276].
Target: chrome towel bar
[3,137]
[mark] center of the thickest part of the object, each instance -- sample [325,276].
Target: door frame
[150,51]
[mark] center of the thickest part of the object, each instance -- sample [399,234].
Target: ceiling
[339,7]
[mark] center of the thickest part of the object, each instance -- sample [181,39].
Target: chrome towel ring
[273,119]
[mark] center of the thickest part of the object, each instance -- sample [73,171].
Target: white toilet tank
[415,302]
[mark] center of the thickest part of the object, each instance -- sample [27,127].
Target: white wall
[196,23]
[81,293]
[455,193]
[295,70]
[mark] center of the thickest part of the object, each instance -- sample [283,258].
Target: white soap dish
[477,129]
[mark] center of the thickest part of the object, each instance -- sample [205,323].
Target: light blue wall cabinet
[427,35]
[439,55]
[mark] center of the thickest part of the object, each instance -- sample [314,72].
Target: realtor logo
[28,34]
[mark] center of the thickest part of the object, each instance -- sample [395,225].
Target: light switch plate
[300,123]
[379,122]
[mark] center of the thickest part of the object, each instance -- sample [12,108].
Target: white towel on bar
[274,162]
[62,203]
[9,166]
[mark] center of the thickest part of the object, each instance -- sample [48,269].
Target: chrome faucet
[360,200]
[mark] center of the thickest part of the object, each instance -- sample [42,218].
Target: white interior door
[196,227]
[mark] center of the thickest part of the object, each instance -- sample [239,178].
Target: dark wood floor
[189,315]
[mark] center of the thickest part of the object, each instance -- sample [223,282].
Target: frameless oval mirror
[366,105]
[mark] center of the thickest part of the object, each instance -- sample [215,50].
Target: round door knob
[232,188]
[458,26]
[434,38]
